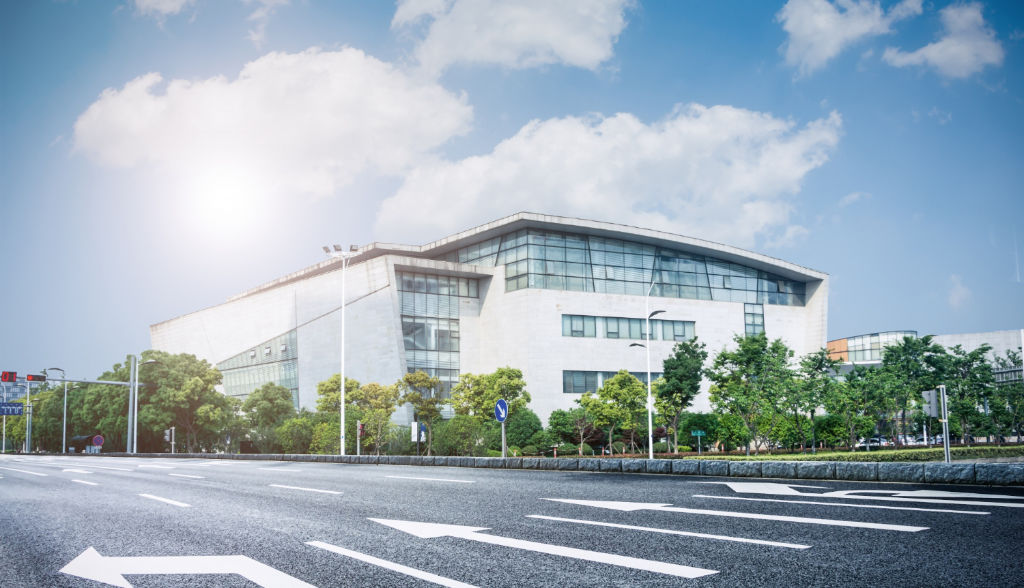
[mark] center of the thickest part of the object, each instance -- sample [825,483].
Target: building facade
[561,299]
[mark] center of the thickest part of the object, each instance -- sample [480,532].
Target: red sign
[8,376]
[97,440]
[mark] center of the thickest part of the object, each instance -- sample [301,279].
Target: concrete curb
[1001,474]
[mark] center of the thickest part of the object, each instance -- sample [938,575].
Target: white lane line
[673,532]
[113,468]
[280,469]
[434,530]
[188,476]
[24,472]
[634,506]
[167,500]
[432,479]
[86,483]
[389,565]
[967,512]
[305,489]
[157,467]
[76,471]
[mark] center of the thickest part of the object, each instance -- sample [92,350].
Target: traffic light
[8,376]
[362,430]
[35,378]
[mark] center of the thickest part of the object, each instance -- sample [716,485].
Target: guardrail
[1003,474]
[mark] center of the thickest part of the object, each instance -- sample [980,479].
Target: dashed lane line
[918,509]
[305,489]
[85,482]
[432,479]
[390,565]
[165,500]
[188,476]
[24,472]
[674,532]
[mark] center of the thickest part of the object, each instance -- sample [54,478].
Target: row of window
[443,285]
[430,334]
[580,382]
[610,327]
[279,348]
[243,381]
[562,261]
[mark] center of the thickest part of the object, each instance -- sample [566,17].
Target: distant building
[559,298]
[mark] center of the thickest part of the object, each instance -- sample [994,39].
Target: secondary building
[559,298]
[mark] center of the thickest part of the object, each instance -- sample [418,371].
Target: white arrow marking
[24,472]
[305,489]
[967,512]
[111,570]
[432,530]
[634,506]
[390,565]
[673,532]
[922,496]
[431,479]
[167,500]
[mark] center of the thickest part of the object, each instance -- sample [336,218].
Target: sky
[160,156]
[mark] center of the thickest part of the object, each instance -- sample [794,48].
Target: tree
[849,401]
[377,403]
[683,374]
[1007,400]
[917,365]
[749,382]
[267,408]
[576,426]
[818,371]
[422,392]
[460,435]
[970,378]
[476,395]
[520,426]
[618,402]
[329,406]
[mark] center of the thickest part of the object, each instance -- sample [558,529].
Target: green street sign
[698,434]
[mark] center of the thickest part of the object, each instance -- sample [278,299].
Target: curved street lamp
[64,427]
[650,397]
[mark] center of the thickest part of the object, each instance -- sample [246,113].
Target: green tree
[849,400]
[970,378]
[683,374]
[460,435]
[377,404]
[476,395]
[423,392]
[917,365]
[267,408]
[328,405]
[520,426]
[1006,404]
[296,434]
[818,371]
[619,402]
[575,426]
[749,383]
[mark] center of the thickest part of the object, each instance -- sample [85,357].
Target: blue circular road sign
[501,410]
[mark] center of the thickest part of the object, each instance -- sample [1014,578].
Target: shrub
[530,450]
[661,447]
[619,447]
[587,449]
[567,449]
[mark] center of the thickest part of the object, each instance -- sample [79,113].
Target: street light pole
[650,396]
[339,253]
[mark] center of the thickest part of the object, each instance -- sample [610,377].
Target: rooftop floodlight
[338,247]
[327,250]
[353,248]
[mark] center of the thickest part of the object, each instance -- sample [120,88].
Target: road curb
[993,474]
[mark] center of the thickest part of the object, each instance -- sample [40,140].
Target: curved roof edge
[532,220]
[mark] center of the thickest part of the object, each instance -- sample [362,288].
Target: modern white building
[559,298]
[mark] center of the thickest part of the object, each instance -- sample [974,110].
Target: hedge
[885,455]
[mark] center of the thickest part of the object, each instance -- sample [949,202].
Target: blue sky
[160,156]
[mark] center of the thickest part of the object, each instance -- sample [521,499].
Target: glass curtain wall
[580,263]
[429,306]
[274,361]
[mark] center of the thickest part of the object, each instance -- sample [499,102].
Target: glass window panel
[576,255]
[577,270]
[420,283]
[589,327]
[566,325]
[576,284]
[575,241]
[473,289]
[556,282]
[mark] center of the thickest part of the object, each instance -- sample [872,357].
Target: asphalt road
[174,522]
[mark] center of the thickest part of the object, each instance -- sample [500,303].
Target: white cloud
[941,116]
[959,294]
[289,125]
[161,8]
[719,173]
[853,197]
[260,17]
[820,30]
[516,34]
[967,46]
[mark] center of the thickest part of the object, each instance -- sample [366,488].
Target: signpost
[11,408]
[698,434]
[500,414]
